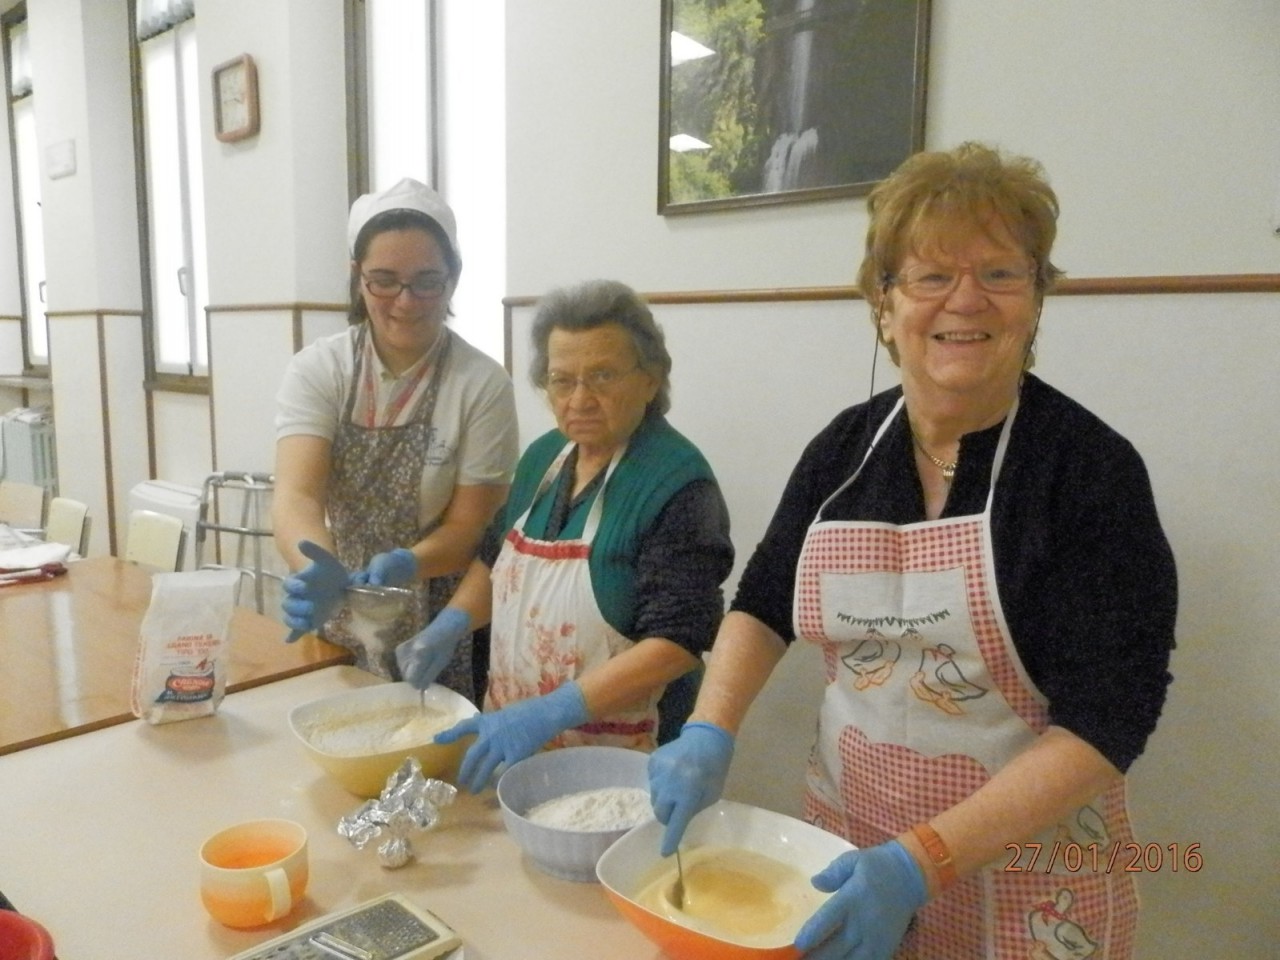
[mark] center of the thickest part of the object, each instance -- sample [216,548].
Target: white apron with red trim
[926,699]
[547,628]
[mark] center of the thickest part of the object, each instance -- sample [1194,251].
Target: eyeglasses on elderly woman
[599,382]
[933,281]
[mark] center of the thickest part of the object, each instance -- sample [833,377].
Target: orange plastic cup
[254,873]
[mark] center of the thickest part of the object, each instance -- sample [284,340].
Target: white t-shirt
[474,437]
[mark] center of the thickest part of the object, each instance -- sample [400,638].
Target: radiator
[175,500]
[30,455]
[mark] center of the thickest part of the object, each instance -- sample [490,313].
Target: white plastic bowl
[366,774]
[567,854]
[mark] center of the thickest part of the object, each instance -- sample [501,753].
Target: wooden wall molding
[297,307]
[1084,286]
[294,310]
[97,312]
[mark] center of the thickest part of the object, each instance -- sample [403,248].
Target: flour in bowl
[608,808]
[378,730]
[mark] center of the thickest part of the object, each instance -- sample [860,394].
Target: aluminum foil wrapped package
[408,803]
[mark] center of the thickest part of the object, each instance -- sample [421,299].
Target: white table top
[101,834]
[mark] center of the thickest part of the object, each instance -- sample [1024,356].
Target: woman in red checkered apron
[980,560]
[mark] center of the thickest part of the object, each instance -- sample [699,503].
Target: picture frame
[778,101]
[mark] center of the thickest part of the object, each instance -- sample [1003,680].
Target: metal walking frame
[217,497]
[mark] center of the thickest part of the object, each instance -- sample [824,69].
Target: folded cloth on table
[37,561]
[11,537]
[33,575]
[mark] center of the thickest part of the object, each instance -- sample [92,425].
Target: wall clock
[235,99]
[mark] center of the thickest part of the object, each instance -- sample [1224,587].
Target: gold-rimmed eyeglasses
[933,281]
[424,287]
[599,382]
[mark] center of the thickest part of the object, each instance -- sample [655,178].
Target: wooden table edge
[119,718]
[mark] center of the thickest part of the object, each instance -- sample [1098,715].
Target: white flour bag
[181,669]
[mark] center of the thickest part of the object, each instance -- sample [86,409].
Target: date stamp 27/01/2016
[1072,857]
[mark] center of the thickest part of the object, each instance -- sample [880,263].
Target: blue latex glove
[392,569]
[876,893]
[423,656]
[515,732]
[313,594]
[687,775]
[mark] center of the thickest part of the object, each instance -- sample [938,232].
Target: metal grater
[387,928]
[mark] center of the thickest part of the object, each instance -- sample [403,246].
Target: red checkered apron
[926,699]
[547,627]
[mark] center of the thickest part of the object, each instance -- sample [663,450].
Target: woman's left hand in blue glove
[515,732]
[392,569]
[875,893]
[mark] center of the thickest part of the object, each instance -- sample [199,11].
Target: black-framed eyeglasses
[932,281]
[425,287]
[599,382]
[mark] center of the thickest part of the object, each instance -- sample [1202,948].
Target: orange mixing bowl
[628,866]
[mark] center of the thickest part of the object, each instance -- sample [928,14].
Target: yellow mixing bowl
[364,769]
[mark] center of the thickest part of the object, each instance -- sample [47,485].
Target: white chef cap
[408,194]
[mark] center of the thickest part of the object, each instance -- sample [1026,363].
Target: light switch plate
[60,159]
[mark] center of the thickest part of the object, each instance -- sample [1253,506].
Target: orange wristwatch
[938,854]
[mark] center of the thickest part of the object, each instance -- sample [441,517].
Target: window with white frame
[394,129]
[401,108]
[26,167]
[397,128]
[176,250]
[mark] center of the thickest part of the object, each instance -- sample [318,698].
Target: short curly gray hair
[593,304]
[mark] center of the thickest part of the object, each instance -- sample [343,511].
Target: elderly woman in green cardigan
[601,578]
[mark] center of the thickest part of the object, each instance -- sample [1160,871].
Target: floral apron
[926,699]
[374,480]
[547,627]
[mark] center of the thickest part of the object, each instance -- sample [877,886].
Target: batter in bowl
[736,895]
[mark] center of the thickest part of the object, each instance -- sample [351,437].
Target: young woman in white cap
[395,439]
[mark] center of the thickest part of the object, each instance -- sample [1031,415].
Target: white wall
[276,209]
[276,203]
[1156,122]
[474,164]
[80,66]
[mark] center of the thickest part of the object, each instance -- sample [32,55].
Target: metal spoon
[677,889]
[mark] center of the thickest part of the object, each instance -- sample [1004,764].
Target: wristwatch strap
[936,849]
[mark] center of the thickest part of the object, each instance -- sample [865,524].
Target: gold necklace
[948,467]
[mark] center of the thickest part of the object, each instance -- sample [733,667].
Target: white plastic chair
[22,505]
[155,540]
[68,522]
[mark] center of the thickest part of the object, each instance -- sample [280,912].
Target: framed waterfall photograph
[775,101]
